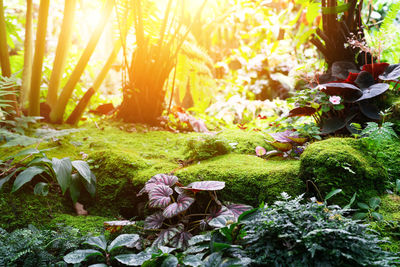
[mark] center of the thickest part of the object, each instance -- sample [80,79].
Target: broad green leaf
[7,178]
[123,241]
[26,176]
[97,241]
[75,187]
[215,259]
[83,168]
[91,188]
[377,216]
[360,215]
[40,161]
[80,255]
[332,193]
[134,259]
[374,202]
[41,189]
[170,261]
[63,169]
[362,206]
[193,260]
[348,206]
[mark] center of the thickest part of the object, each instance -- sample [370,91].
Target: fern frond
[390,17]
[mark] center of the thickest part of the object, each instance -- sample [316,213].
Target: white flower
[335,99]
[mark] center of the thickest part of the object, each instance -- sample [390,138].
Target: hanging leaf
[183,203]
[392,72]
[332,125]
[154,221]
[90,187]
[26,176]
[160,196]
[41,189]
[374,90]
[124,240]
[302,111]
[206,186]
[63,169]
[80,255]
[347,91]
[83,168]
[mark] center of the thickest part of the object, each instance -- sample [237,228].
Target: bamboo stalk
[80,108]
[57,113]
[61,53]
[34,94]
[11,110]
[28,52]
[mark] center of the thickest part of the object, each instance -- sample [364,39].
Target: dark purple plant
[177,218]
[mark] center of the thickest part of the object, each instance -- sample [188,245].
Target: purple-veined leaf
[205,186]
[158,179]
[221,221]
[160,196]
[167,235]
[238,209]
[183,203]
[154,221]
[282,137]
[181,240]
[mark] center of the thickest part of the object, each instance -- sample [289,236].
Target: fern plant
[6,90]
[376,135]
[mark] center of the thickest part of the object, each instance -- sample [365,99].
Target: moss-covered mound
[249,179]
[85,224]
[343,163]
[390,207]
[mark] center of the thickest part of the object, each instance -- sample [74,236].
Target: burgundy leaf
[206,186]
[375,69]
[347,91]
[351,78]
[238,209]
[154,221]
[160,196]
[183,203]
[374,90]
[167,235]
[364,79]
[302,111]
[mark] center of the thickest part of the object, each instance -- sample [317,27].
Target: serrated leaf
[182,203]
[134,259]
[97,241]
[26,176]
[332,193]
[80,255]
[154,221]
[160,196]
[63,169]
[41,189]
[124,240]
[83,168]
[206,186]
[374,202]
[170,261]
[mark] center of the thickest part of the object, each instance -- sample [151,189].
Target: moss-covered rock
[206,146]
[245,142]
[343,163]
[249,179]
[390,207]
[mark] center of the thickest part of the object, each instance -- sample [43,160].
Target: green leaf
[97,241]
[374,202]
[63,169]
[134,259]
[221,221]
[215,259]
[335,9]
[193,260]
[348,206]
[80,255]
[26,176]
[170,261]
[332,193]
[41,189]
[377,216]
[7,178]
[75,188]
[360,215]
[40,161]
[123,241]
[83,168]
[398,185]
[98,265]
[363,206]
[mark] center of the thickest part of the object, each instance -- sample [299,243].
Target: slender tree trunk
[57,113]
[40,45]
[28,52]
[5,65]
[63,45]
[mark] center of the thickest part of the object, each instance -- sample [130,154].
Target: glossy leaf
[80,255]
[26,176]
[376,69]
[160,196]
[374,90]
[183,203]
[75,187]
[170,261]
[165,179]
[97,241]
[90,187]
[181,240]
[83,168]
[63,169]
[392,72]
[124,240]
[134,259]
[302,111]
[332,125]
[193,260]
[374,202]
[369,110]
[41,189]
[377,216]
[154,221]
[347,91]
[238,209]
[332,193]
[353,198]
[165,236]
[206,186]
[221,221]
[364,80]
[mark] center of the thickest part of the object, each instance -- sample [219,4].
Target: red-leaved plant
[177,217]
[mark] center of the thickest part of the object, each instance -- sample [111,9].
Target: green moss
[206,146]
[390,207]
[343,163]
[22,208]
[389,157]
[246,141]
[85,224]
[249,179]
